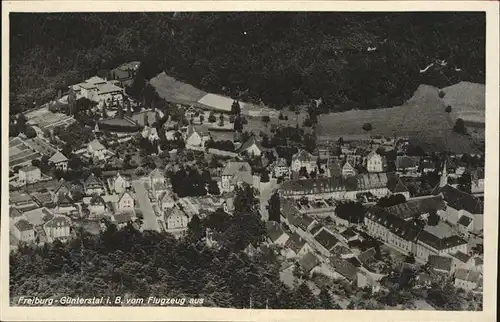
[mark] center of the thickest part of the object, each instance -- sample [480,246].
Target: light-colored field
[173,90]
[423,118]
[467,101]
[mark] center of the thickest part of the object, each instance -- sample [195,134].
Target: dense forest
[350,60]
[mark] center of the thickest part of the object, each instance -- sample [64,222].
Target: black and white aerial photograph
[247,160]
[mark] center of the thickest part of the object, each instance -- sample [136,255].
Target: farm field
[423,118]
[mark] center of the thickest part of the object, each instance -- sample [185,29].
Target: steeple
[444,176]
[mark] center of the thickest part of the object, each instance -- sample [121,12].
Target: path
[149,222]
[266,190]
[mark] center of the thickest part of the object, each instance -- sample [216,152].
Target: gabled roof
[274,230]
[459,200]
[315,229]
[295,242]
[157,173]
[29,168]
[326,239]
[174,212]
[95,80]
[367,255]
[58,157]
[478,261]
[347,166]
[23,225]
[249,143]
[121,218]
[167,197]
[467,275]
[14,213]
[96,145]
[404,161]
[441,263]
[58,221]
[308,262]
[398,187]
[464,221]
[464,258]
[372,154]
[303,155]
[341,250]
[233,167]
[123,194]
[440,243]
[348,233]
[97,200]
[92,181]
[344,268]
[417,207]
[398,226]
[65,200]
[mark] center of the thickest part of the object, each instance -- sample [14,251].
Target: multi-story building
[29,174]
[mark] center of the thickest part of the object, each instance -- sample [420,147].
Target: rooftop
[96,145]
[344,268]
[23,225]
[404,161]
[467,275]
[441,263]
[274,230]
[460,200]
[309,261]
[58,157]
[295,242]
[58,222]
[29,168]
[464,258]
[417,207]
[326,239]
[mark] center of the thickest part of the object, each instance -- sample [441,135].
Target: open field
[467,101]
[423,118]
[173,90]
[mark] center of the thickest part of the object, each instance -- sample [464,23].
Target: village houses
[126,202]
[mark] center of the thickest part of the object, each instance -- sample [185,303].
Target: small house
[59,161]
[126,202]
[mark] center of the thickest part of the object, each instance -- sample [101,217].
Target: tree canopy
[253,55]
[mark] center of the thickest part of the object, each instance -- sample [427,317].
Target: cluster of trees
[17,125]
[247,55]
[74,135]
[192,182]
[226,145]
[354,212]
[391,200]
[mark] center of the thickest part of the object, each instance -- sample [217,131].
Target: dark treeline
[279,58]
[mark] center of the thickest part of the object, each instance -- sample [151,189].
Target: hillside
[422,118]
[351,60]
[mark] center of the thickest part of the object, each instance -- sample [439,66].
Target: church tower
[443,181]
